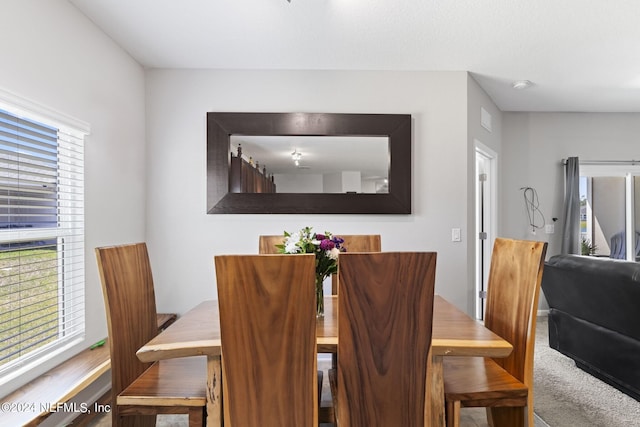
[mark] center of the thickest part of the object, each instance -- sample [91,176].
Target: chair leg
[197,417]
[135,421]
[333,382]
[452,413]
[506,416]
[320,377]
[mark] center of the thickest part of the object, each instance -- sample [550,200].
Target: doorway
[486,164]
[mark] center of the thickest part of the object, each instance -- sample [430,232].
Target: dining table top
[197,332]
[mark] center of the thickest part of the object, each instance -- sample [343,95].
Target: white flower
[333,253]
[291,244]
[290,247]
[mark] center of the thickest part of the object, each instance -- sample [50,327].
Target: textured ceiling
[581,55]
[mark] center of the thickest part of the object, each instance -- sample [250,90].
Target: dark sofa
[594,316]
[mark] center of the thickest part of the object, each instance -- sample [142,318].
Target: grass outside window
[29,300]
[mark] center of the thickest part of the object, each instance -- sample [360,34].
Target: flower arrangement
[326,248]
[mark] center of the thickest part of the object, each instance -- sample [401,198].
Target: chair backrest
[362,242]
[619,245]
[129,299]
[268,333]
[382,360]
[267,244]
[357,243]
[512,301]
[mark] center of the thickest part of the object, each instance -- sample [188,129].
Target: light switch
[455,235]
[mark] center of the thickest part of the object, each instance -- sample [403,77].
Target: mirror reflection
[309,164]
[229,193]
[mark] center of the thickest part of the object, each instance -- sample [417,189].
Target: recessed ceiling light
[521,84]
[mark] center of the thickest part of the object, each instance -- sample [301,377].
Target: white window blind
[41,237]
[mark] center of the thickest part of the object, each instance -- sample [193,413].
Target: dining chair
[268,339]
[382,362]
[504,386]
[267,245]
[353,243]
[140,391]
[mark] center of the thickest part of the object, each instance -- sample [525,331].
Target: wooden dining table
[197,332]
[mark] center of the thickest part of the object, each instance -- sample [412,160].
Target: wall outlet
[549,228]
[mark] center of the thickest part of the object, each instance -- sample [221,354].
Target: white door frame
[486,217]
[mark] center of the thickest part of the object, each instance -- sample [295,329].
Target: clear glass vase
[319,296]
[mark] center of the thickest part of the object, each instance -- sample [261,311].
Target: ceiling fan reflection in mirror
[296,156]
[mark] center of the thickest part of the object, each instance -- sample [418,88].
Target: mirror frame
[221,125]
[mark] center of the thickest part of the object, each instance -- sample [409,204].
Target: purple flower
[327,245]
[320,236]
[338,241]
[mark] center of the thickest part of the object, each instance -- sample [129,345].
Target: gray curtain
[571,211]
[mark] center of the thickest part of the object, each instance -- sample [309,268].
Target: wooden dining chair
[382,361]
[140,390]
[267,245]
[504,386]
[268,336]
[353,243]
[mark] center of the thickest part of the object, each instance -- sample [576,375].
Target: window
[610,209]
[41,232]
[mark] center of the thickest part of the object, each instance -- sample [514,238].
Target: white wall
[332,182]
[534,145]
[478,99]
[183,239]
[351,181]
[292,183]
[53,55]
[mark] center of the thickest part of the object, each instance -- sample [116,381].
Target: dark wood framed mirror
[222,199]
